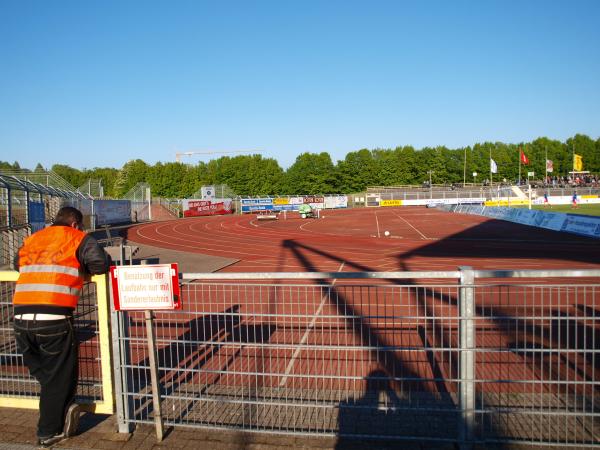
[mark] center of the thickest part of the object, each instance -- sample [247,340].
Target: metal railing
[11,239]
[460,356]
[20,390]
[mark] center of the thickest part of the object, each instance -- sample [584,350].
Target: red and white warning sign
[146,287]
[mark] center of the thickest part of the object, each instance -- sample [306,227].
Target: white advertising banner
[442,201]
[336,201]
[566,199]
[296,200]
[570,223]
[586,225]
[550,221]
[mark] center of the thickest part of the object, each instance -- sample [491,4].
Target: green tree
[166,180]
[107,175]
[133,172]
[357,171]
[73,176]
[311,173]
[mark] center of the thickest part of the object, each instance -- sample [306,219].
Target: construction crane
[180,154]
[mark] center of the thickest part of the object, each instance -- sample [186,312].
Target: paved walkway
[188,262]
[100,432]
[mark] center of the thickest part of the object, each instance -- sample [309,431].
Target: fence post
[93,217]
[12,246]
[121,360]
[9,207]
[467,357]
[149,195]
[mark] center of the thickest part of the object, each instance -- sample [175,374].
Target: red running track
[354,240]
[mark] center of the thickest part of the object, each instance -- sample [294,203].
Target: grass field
[585,209]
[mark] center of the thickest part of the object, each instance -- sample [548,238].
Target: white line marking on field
[311,325]
[411,225]
[377,220]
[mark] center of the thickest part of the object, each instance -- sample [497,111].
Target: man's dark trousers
[49,350]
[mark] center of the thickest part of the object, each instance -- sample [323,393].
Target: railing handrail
[551,273]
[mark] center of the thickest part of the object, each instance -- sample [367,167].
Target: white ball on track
[387,233]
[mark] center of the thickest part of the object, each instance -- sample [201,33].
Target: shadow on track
[418,398]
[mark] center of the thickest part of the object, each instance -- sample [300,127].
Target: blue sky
[97,83]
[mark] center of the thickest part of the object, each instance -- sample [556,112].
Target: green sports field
[585,209]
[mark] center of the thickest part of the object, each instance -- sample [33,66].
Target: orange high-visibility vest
[49,270]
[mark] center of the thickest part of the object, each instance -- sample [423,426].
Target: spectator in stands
[53,264]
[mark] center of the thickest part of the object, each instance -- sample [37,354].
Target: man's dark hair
[67,215]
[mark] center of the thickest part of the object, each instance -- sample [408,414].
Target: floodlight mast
[178,155]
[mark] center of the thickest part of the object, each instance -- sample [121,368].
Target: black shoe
[71,420]
[51,440]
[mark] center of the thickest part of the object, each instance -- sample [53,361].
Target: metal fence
[19,389]
[17,196]
[536,367]
[11,239]
[502,190]
[404,355]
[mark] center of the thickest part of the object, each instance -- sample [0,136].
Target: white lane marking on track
[377,221]
[200,235]
[311,325]
[411,225]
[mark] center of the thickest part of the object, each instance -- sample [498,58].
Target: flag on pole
[493,166]
[577,163]
[524,158]
[549,165]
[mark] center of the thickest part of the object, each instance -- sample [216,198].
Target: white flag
[493,166]
[549,165]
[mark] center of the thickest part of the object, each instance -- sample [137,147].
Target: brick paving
[100,432]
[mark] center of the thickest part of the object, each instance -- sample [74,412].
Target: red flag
[524,159]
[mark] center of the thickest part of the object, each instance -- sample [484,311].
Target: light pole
[465,169]
[430,185]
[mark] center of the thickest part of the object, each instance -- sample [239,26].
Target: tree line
[316,173]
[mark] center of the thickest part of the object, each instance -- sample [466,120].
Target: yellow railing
[106,405]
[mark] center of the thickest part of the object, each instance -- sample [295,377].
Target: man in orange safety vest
[53,265]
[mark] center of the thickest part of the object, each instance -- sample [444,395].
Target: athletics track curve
[354,240]
[303,328]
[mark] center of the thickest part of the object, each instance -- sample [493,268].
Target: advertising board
[390,203]
[336,201]
[256,204]
[586,225]
[112,211]
[196,207]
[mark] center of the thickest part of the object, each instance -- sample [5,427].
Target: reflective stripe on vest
[39,268]
[48,288]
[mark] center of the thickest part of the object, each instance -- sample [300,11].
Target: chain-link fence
[397,357]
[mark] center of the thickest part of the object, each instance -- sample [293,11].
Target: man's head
[69,217]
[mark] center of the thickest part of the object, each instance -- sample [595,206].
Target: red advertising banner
[194,208]
[313,199]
